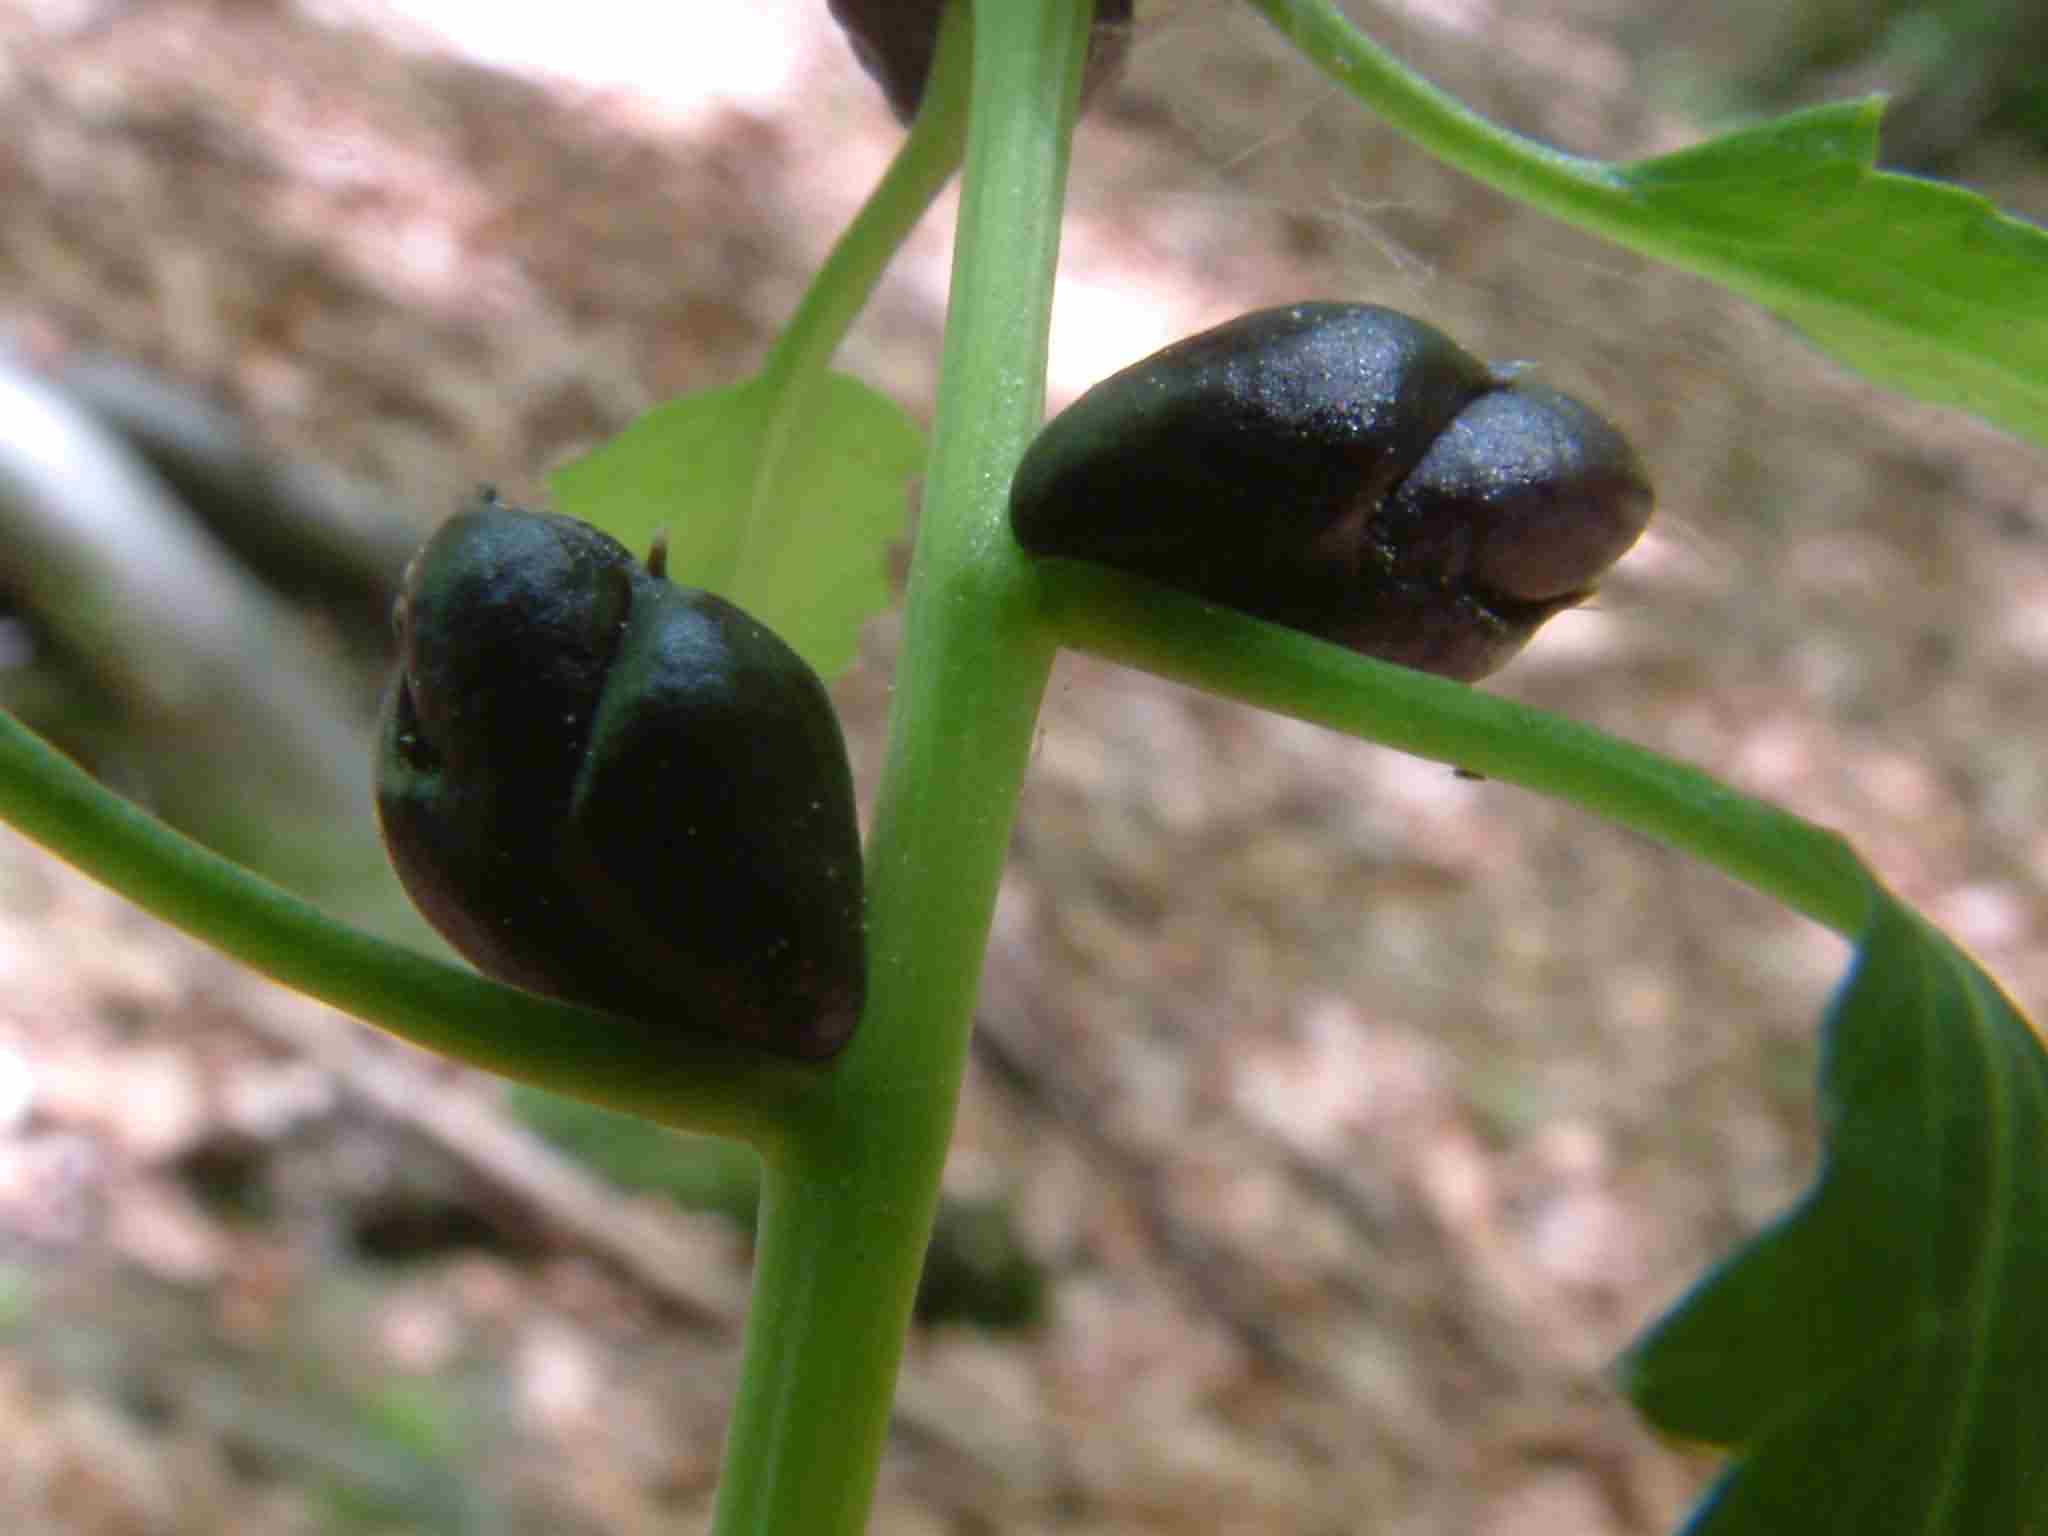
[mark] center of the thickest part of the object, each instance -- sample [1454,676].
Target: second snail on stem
[605,787]
[1345,470]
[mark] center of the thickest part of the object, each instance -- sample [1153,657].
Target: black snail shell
[896,39]
[1345,470]
[610,789]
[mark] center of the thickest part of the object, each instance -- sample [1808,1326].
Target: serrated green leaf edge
[1878,1357]
[1921,285]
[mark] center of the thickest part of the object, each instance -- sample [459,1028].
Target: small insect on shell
[1345,470]
[603,787]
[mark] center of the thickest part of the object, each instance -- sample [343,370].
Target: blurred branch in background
[325,542]
[200,622]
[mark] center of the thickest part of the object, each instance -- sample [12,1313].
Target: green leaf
[1924,286]
[781,499]
[1879,1357]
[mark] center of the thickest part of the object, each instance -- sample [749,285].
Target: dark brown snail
[610,789]
[1345,470]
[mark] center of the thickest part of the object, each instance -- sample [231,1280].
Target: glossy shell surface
[1346,470]
[604,787]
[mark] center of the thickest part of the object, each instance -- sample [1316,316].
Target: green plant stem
[1524,168]
[1144,625]
[640,1067]
[1594,194]
[1597,195]
[846,1211]
[796,367]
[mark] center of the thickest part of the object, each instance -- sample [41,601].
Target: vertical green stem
[847,1205]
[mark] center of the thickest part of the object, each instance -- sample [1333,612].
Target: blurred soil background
[1335,1120]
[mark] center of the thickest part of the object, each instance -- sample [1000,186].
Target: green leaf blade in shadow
[1879,1357]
